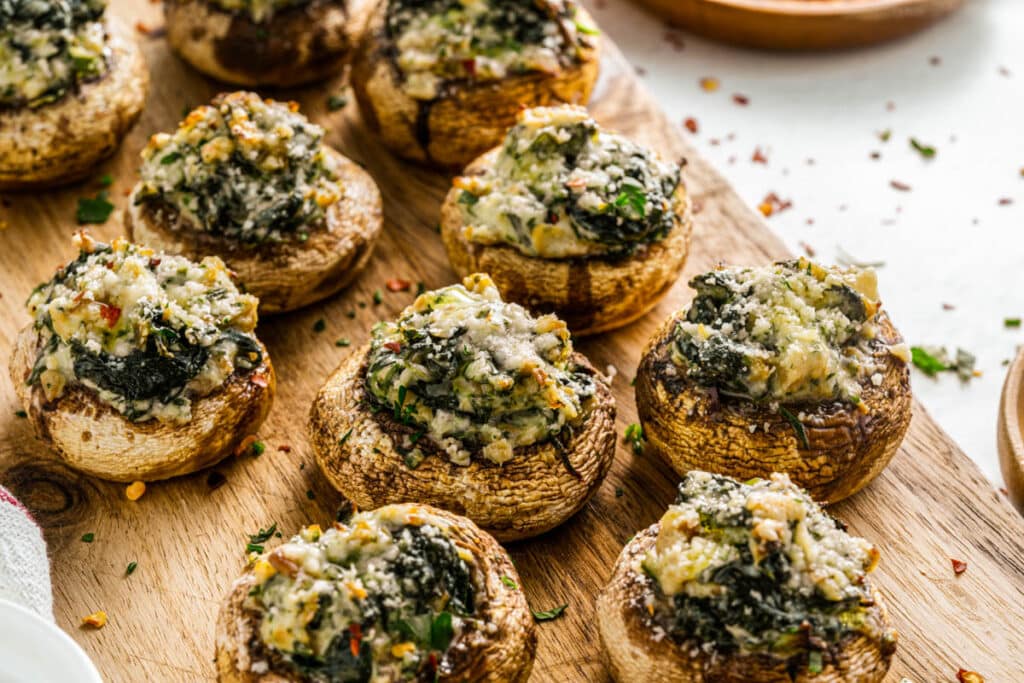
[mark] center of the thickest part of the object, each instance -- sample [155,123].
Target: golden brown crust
[94,438]
[633,652]
[526,496]
[62,142]
[467,119]
[590,294]
[693,428]
[297,45]
[287,275]
[504,654]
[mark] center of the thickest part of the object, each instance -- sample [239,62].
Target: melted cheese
[260,11]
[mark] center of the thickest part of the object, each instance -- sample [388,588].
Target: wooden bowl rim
[816,8]
[1010,437]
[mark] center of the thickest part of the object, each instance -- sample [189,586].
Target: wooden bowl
[1011,431]
[802,24]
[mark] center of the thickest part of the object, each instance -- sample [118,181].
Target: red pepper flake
[1003,71]
[772,204]
[948,307]
[640,71]
[808,249]
[876,156]
[470,66]
[741,100]
[1005,201]
[959,566]
[697,206]
[398,285]
[284,448]
[709,84]
[356,632]
[759,157]
[890,106]
[810,221]
[935,60]
[691,125]
[154,262]
[714,142]
[899,185]
[145,30]
[110,314]
[965,676]
[259,379]
[393,346]
[214,480]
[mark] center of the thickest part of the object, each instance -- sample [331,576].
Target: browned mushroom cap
[592,294]
[538,489]
[846,446]
[636,649]
[94,438]
[296,45]
[467,119]
[62,142]
[285,275]
[503,654]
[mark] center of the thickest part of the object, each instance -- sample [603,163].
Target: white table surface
[946,241]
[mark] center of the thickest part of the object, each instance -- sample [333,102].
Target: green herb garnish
[377,296]
[549,614]
[336,102]
[130,569]
[106,180]
[634,435]
[797,426]
[509,583]
[20,413]
[343,343]
[341,442]
[468,198]
[170,158]
[927,151]
[320,325]
[1011,322]
[441,632]
[815,665]
[926,362]
[256,540]
[310,494]
[94,210]
[89,537]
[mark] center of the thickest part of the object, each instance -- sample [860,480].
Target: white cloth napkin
[24,567]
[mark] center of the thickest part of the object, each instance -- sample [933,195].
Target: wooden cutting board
[802,24]
[932,504]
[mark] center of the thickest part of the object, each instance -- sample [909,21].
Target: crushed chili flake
[398,285]
[214,480]
[808,249]
[640,71]
[714,142]
[758,157]
[772,204]
[1003,71]
[948,307]
[1005,201]
[145,30]
[284,448]
[259,379]
[741,100]
[876,155]
[675,40]
[691,125]
[965,676]
[935,60]
[959,566]
[709,84]
[890,106]
[393,346]
[246,445]
[810,221]
[899,185]
[110,314]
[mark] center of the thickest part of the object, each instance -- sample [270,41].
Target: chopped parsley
[320,325]
[509,583]
[377,296]
[130,569]
[1011,322]
[634,436]
[549,614]
[106,180]
[20,413]
[256,540]
[932,360]
[310,494]
[336,102]
[927,151]
[342,343]
[89,537]
[344,438]
[797,426]
[95,209]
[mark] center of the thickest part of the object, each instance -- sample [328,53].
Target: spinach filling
[48,48]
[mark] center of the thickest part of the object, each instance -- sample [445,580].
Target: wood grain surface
[932,504]
[802,24]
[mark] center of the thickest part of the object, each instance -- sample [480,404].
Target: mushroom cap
[63,141]
[531,493]
[468,118]
[286,275]
[94,438]
[297,45]
[591,294]
[634,652]
[506,654]
[847,446]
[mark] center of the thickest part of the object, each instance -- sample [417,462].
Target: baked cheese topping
[482,40]
[260,11]
[563,187]
[474,373]
[49,47]
[378,599]
[249,169]
[146,332]
[792,331]
[756,566]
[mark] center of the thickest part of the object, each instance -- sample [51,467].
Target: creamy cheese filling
[146,332]
[250,169]
[793,331]
[563,187]
[380,598]
[260,11]
[756,566]
[470,371]
[481,40]
[48,47]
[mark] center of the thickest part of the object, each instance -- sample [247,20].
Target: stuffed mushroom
[572,219]
[251,181]
[140,365]
[441,81]
[745,583]
[278,43]
[72,83]
[792,368]
[403,593]
[470,404]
